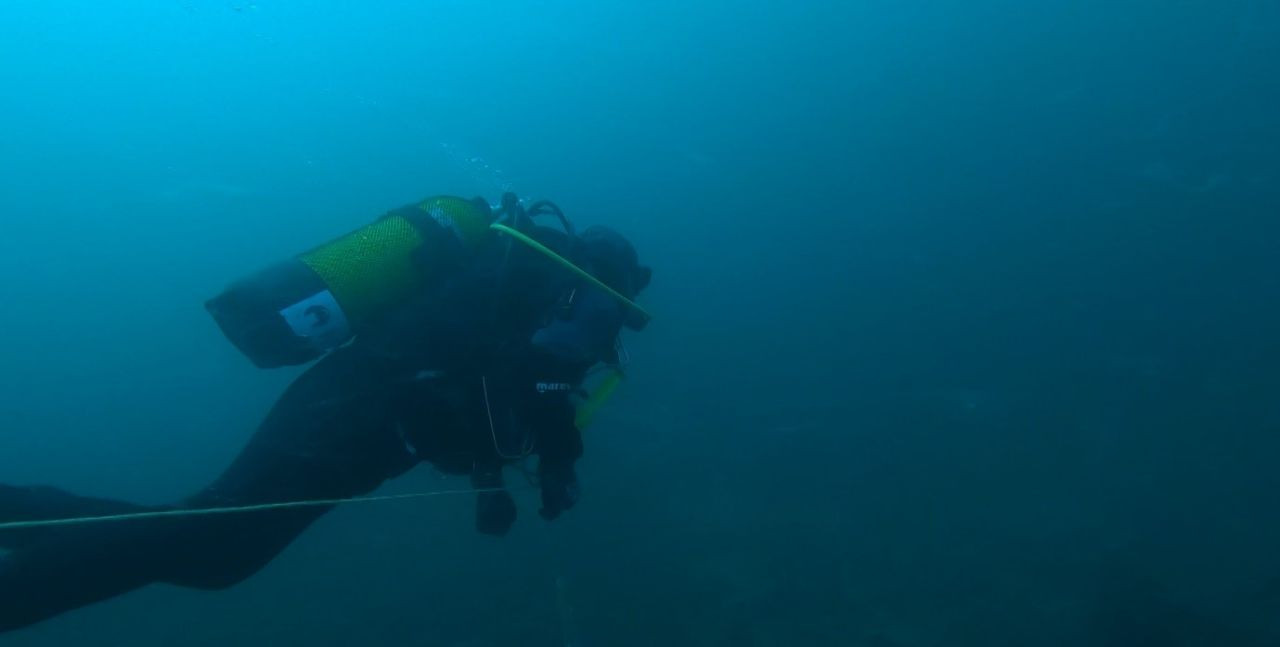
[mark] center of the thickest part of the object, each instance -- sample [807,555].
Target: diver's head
[613,260]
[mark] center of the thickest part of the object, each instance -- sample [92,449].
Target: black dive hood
[599,252]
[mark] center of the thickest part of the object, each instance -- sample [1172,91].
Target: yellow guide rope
[193,512]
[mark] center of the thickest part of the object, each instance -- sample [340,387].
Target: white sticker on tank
[319,320]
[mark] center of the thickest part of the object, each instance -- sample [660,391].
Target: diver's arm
[540,388]
[557,477]
[550,413]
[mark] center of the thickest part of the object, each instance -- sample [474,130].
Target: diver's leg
[332,435]
[72,569]
[81,565]
[40,503]
[329,436]
[56,568]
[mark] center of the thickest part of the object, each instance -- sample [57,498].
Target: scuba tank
[295,311]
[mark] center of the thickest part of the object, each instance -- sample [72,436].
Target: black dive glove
[495,509]
[559,490]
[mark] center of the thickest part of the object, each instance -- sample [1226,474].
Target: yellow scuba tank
[297,310]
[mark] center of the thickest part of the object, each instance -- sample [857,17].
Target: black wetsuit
[452,379]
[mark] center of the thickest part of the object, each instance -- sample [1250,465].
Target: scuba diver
[448,331]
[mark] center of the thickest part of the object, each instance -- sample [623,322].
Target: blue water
[965,312]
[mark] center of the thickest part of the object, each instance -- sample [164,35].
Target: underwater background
[965,323]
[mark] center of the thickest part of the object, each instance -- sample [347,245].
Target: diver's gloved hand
[495,512]
[559,490]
